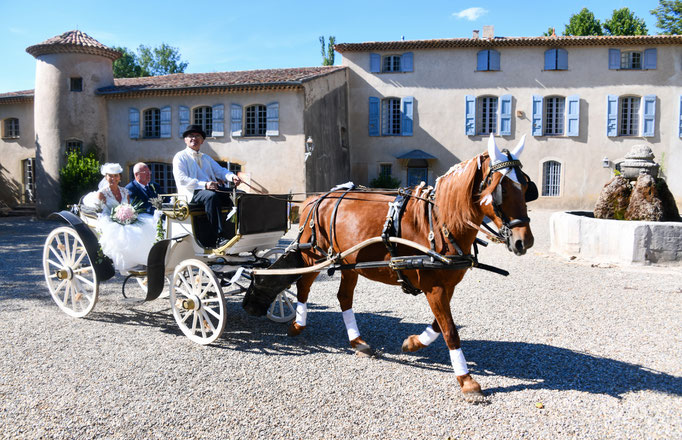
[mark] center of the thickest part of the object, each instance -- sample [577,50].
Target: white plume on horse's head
[496,156]
[519,148]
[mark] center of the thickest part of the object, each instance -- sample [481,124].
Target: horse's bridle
[505,232]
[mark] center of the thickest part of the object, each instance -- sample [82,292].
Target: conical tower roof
[73,42]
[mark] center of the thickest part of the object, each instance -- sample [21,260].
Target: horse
[490,184]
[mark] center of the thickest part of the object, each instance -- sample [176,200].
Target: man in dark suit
[142,189]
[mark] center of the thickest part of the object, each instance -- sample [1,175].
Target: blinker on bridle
[530,195]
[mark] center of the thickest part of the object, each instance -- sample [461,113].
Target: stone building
[258,122]
[418,107]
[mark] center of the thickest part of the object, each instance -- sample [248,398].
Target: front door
[416,175]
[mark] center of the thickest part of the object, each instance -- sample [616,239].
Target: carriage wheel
[69,273]
[283,308]
[197,302]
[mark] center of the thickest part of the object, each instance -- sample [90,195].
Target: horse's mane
[455,199]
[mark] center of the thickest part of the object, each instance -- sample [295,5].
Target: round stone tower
[70,68]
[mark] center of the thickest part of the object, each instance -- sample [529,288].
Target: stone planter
[578,233]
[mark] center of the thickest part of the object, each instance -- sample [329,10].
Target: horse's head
[504,193]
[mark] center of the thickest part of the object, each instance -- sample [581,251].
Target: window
[152,123]
[74,146]
[76,84]
[385,170]
[631,115]
[632,59]
[162,175]
[28,166]
[488,60]
[255,120]
[203,116]
[554,116]
[10,128]
[234,167]
[391,63]
[628,111]
[486,117]
[391,116]
[556,59]
[551,175]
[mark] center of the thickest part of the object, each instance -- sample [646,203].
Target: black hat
[194,129]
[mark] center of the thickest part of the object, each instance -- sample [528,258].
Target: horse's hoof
[361,347]
[295,329]
[412,343]
[471,390]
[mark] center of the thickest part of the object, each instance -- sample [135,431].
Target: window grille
[554,115]
[629,116]
[203,116]
[152,123]
[390,117]
[487,114]
[551,175]
[256,118]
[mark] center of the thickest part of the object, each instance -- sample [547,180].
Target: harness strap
[332,223]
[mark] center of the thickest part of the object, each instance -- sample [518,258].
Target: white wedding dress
[127,245]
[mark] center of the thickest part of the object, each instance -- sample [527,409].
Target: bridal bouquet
[125,214]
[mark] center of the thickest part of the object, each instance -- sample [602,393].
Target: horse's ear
[519,148]
[494,153]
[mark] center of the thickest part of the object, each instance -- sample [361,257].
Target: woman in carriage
[126,236]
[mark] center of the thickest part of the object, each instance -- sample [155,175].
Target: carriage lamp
[605,162]
[309,147]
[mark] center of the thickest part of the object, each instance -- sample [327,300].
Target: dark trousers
[213,203]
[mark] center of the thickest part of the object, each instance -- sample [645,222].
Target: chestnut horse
[463,196]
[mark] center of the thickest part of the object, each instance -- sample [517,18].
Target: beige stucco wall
[14,151]
[61,114]
[272,162]
[442,78]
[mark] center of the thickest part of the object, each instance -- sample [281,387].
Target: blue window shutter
[561,59]
[649,116]
[482,60]
[649,58]
[505,115]
[494,60]
[550,59]
[166,122]
[573,115]
[183,117]
[470,115]
[134,123]
[218,120]
[612,115]
[236,120]
[374,63]
[407,115]
[406,62]
[374,116]
[537,115]
[614,59]
[272,119]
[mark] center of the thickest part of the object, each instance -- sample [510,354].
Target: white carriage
[198,278]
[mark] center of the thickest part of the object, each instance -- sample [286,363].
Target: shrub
[80,175]
[384,181]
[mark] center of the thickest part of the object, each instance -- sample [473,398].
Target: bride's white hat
[111,168]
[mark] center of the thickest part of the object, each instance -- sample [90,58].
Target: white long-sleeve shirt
[189,177]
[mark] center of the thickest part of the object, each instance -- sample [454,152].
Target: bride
[127,245]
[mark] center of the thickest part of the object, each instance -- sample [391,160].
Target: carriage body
[195,276]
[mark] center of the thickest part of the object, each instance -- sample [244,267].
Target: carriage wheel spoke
[56,254]
[82,269]
[85,280]
[80,258]
[207,321]
[194,322]
[187,315]
[212,312]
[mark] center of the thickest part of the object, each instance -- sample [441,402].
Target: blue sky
[245,35]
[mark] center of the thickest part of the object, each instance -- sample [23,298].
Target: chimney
[489,32]
[475,36]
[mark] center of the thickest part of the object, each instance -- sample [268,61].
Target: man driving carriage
[202,180]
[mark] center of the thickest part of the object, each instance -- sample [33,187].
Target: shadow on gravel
[554,368]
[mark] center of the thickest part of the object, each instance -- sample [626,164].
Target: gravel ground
[598,349]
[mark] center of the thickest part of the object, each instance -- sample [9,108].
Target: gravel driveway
[563,349]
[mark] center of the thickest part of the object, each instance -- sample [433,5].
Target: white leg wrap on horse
[351,325]
[301,313]
[459,364]
[428,336]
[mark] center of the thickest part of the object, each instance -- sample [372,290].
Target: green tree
[583,23]
[162,60]
[669,16]
[79,176]
[126,66]
[549,33]
[328,51]
[624,22]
